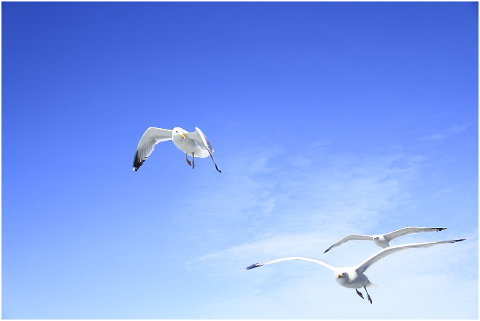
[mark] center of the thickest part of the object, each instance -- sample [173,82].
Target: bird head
[340,275]
[178,131]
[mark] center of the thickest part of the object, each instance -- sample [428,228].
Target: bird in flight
[354,277]
[383,240]
[194,144]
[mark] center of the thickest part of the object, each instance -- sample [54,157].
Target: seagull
[354,277]
[194,144]
[383,239]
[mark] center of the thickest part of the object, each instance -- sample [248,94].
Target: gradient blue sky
[326,119]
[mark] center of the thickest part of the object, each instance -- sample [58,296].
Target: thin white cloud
[269,195]
[286,207]
[448,133]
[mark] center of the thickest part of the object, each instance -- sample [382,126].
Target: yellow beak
[339,276]
[182,135]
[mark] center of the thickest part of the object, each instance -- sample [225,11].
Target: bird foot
[359,293]
[370,299]
[186,158]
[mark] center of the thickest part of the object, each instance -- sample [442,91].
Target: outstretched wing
[199,137]
[411,230]
[150,138]
[362,267]
[325,264]
[351,237]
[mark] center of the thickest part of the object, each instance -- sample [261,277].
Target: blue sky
[326,118]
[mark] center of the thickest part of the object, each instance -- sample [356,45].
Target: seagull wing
[351,237]
[199,137]
[411,230]
[150,138]
[325,264]
[362,267]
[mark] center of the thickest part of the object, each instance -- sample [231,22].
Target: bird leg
[359,293]
[369,298]
[186,158]
[193,160]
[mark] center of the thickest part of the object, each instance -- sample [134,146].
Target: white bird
[354,277]
[383,240]
[194,144]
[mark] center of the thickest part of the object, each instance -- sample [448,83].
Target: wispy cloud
[266,194]
[304,209]
[283,206]
[447,133]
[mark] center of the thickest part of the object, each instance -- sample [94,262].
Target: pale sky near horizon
[326,118]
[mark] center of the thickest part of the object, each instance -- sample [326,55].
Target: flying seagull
[194,144]
[353,277]
[383,239]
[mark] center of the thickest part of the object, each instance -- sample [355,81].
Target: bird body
[186,144]
[381,241]
[351,278]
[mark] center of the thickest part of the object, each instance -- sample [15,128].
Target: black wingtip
[458,240]
[137,162]
[253,266]
[441,229]
[326,251]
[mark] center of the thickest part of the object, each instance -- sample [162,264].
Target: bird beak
[182,135]
[339,276]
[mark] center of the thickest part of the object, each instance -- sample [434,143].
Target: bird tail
[371,285]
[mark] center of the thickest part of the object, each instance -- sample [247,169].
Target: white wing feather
[362,267]
[350,237]
[411,230]
[150,138]
[199,137]
[325,264]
